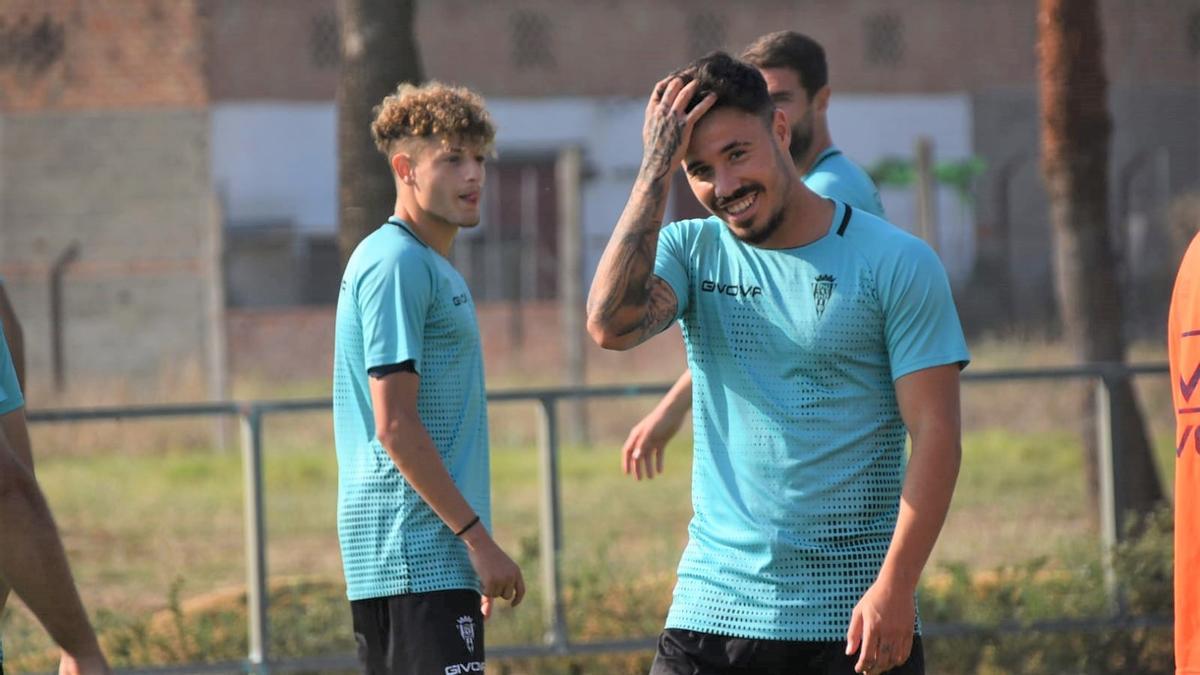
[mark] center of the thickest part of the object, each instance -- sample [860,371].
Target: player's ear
[821,100]
[781,131]
[402,165]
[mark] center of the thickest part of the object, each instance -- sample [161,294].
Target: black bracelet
[467,527]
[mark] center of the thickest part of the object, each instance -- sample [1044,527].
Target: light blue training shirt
[400,300]
[11,397]
[799,444]
[833,175]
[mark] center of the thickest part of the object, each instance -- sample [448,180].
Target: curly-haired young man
[816,335]
[410,416]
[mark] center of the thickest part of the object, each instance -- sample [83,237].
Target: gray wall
[133,188]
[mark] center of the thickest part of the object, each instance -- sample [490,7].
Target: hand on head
[669,123]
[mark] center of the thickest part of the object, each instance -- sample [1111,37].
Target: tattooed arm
[628,304]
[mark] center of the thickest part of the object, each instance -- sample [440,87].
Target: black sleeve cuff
[380,372]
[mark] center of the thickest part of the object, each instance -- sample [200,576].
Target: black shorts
[436,633]
[685,652]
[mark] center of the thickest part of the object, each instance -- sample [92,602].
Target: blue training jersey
[799,443]
[400,300]
[833,175]
[10,391]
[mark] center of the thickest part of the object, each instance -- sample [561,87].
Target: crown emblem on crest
[822,291]
[466,629]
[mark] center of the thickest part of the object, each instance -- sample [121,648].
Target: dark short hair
[737,84]
[796,51]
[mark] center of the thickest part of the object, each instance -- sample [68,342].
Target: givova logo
[460,668]
[730,289]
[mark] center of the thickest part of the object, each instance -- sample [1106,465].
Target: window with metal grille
[324,41]
[531,40]
[31,45]
[706,32]
[884,39]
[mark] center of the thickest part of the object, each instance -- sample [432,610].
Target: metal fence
[557,639]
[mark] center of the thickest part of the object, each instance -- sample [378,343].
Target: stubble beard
[775,221]
[757,237]
[802,138]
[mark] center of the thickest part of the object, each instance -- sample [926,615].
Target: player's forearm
[678,400]
[622,298]
[924,503]
[16,434]
[33,562]
[408,443]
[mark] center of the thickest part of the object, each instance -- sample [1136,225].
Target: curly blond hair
[432,111]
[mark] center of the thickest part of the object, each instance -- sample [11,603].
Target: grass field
[152,517]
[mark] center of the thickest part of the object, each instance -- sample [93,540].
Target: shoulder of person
[399,248]
[402,257]
[693,227]
[822,178]
[883,241]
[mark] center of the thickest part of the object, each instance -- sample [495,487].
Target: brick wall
[271,48]
[104,146]
[93,55]
[131,189]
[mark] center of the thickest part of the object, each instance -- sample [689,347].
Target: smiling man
[809,534]
[410,415]
[797,76]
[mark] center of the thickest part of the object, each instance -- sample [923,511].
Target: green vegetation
[152,518]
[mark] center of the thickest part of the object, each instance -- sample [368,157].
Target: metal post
[551,525]
[59,269]
[927,224]
[569,176]
[256,553]
[1108,486]
[218,362]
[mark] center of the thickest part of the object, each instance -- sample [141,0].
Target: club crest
[822,291]
[466,628]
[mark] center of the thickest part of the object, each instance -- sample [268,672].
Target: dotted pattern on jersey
[392,541]
[799,444]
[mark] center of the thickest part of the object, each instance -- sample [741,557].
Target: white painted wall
[871,128]
[277,161]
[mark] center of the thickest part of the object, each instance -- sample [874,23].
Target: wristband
[467,527]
